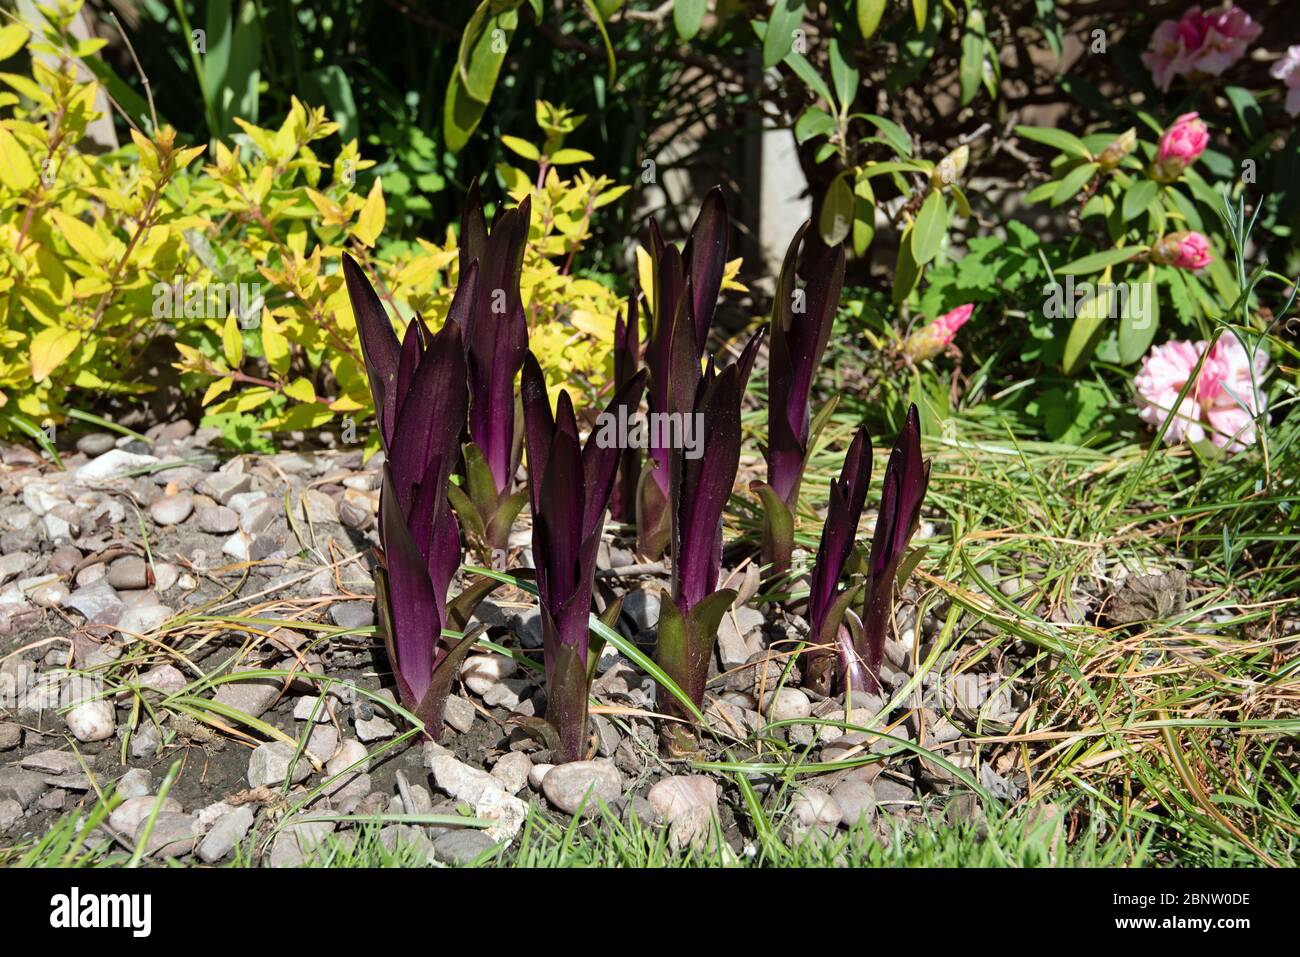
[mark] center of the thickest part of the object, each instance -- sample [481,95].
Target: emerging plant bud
[1119,148]
[1180,146]
[930,340]
[951,168]
[1184,249]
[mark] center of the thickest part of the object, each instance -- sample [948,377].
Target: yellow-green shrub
[103,253]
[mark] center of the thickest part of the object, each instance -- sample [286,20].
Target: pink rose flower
[1228,31]
[1222,405]
[1184,250]
[1181,144]
[1202,43]
[930,340]
[1287,70]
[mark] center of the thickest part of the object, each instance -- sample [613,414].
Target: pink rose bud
[1182,143]
[930,340]
[1184,250]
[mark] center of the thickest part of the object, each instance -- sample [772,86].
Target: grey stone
[888,790]
[676,795]
[691,828]
[813,808]
[459,714]
[251,697]
[480,790]
[228,831]
[98,603]
[52,762]
[322,742]
[217,519]
[113,464]
[128,572]
[582,784]
[20,785]
[310,708]
[642,607]
[135,783]
[481,672]
[165,679]
[11,735]
[90,719]
[511,770]
[126,817]
[269,764]
[295,842]
[96,443]
[462,846]
[786,703]
[317,507]
[13,564]
[377,728]
[259,516]
[143,619]
[11,812]
[172,509]
[507,693]
[223,485]
[352,614]
[857,801]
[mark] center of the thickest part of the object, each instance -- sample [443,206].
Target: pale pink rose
[1221,405]
[930,340]
[1167,56]
[1205,43]
[1287,70]
[1228,31]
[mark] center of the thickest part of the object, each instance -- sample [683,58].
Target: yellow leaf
[232,341]
[274,344]
[16,170]
[330,211]
[50,347]
[371,221]
[300,389]
[12,38]
[218,388]
[645,274]
[82,238]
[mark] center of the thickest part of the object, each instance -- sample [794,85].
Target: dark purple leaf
[847,499]
[906,479]
[627,360]
[801,325]
[415,620]
[701,486]
[497,334]
[705,255]
[539,424]
[378,345]
[600,461]
[473,229]
[433,414]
